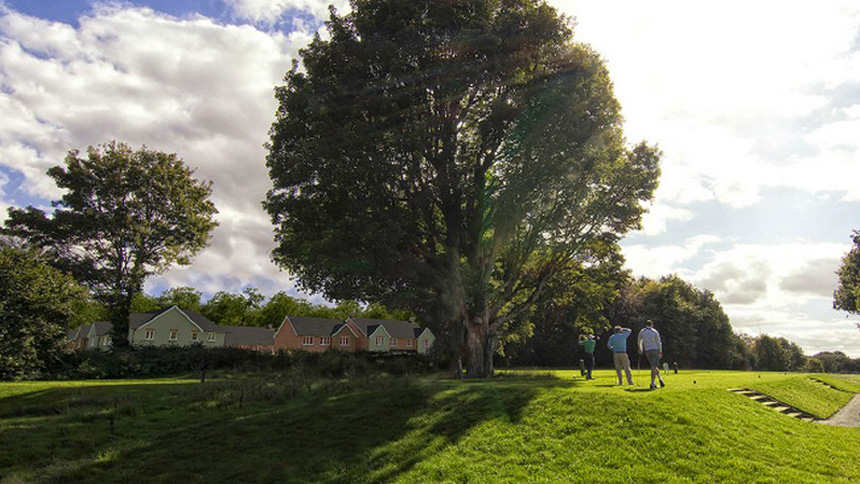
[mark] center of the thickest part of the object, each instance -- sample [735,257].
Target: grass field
[521,427]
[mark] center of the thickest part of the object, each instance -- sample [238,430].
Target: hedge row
[146,362]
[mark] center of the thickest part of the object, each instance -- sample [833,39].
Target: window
[174,335]
[150,334]
[426,343]
[380,341]
[308,340]
[344,340]
[409,343]
[195,336]
[105,340]
[393,342]
[325,340]
[211,337]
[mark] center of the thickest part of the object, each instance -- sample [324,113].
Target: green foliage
[695,331]
[230,309]
[847,295]
[575,300]
[449,157]
[838,362]
[125,215]
[38,305]
[777,354]
[182,297]
[152,361]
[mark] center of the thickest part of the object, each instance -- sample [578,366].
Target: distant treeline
[248,308]
[695,330]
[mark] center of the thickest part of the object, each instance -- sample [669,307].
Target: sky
[755,105]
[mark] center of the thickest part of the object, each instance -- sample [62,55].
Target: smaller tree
[125,215]
[846,297]
[182,297]
[234,309]
[37,304]
[770,355]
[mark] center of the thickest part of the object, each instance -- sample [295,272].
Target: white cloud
[657,261]
[271,11]
[725,88]
[655,220]
[778,275]
[193,87]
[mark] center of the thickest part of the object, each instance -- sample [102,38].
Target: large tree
[125,214]
[847,295]
[449,157]
[37,306]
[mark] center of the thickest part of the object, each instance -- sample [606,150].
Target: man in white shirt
[651,344]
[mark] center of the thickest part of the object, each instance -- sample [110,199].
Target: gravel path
[847,416]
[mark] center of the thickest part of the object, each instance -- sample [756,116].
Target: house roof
[136,320]
[397,329]
[249,335]
[101,328]
[371,329]
[306,326]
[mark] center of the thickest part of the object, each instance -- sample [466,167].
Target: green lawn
[521,427]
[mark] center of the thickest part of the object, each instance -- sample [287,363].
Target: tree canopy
[37,307]
[450,157]
[125,214]
[846,297]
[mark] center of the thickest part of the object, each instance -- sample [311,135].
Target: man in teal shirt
[618,344]
[588,344]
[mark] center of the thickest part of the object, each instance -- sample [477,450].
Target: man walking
[588,344]
[651,344]
[618,344]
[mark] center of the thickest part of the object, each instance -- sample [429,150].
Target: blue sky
[756,106]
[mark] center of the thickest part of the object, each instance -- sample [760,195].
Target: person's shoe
[653,386]
[661,383]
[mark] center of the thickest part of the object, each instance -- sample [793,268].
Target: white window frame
[344,340]
[426,343]
[325,340]
[380,340]
[149,335]
[174,335]
[393,342]
[195,336]
[211,337]
[409,343]
[307,340]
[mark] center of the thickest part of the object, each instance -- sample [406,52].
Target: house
[352,334]
[166,327]
[251,338]
[78,338]
[181,327]
[314,334]
[98,336]
[175,326]
[397,336]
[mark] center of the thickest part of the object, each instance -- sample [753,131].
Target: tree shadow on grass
[181,433]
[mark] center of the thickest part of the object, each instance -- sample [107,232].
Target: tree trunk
[119,315]
[475,349]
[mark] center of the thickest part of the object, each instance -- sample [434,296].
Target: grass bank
[549,427]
